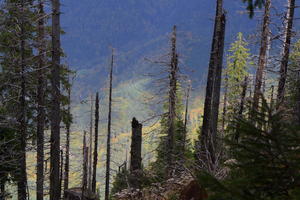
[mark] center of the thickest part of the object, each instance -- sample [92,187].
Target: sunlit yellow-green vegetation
[131,99]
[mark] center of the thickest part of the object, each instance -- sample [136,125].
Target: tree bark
[242,104]
[172,103]
[41,103]
[224,114]
[262,60]
[207,136]
[84,166]
[96,143]
[136,153]
[55,110]
[218,80]
[107,177]
[22,179]
[186,118]
[67,154]
[90,148]
[286,51]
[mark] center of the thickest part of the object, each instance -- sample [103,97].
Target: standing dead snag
[95,143]
[186,117]
[107,176]
[136,154]
[67,153]
[41,104]
[286,51]
[211,106]
[84,167]
[262,60]
[55,109]
[172,103]
[90,148]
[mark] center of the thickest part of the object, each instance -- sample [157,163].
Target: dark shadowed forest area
[150,99]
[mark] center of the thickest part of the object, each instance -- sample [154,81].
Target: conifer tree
[236,71]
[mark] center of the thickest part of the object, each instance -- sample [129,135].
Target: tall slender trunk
[242,104]
[61,174]
[41,104]
[186,118]
[262,60]
[22,179]
[208,135]
[67,154]
[224,114]
[96,143]
[109,129]
[90,145]
[84,166]
[286,51]
[55,110]
[172,103]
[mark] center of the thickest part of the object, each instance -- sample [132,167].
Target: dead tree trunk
[67,154]
[172,103]
[107,177]
[262,60]
[41,104]
[242,104]
[224,114]
[91,144]
[218,80]
[84,166]
[95,143]
[207,137]
[55,110]
[286,50]
[61,174]
[186,118]
[22,179]
[136,154]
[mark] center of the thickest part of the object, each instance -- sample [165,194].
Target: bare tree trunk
[91,144]
[207,136]
[172,103]
[109,129]
[262,60]
[55,110]
[84,167]
[242,104]
[41,104]
[218,80]
[286,51]
[186,118]
[67,154]
[136,154]
[61,170]
[224,114]
[96,143]
[22,179]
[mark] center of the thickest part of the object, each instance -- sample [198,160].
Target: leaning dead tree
[286,50]
[108,148]
[262,60]
[136,154]
[206,146]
